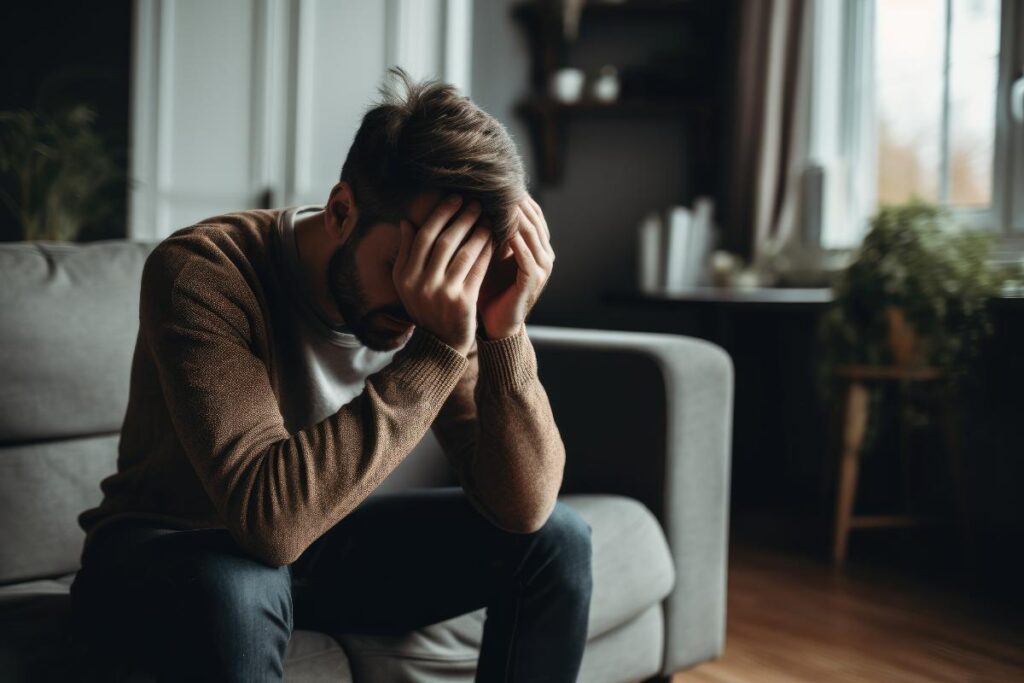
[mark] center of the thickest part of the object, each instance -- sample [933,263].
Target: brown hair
[431,138]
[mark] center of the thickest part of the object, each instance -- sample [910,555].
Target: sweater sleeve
[276,492]
[499,433]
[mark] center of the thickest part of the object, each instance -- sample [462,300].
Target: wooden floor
[793,618]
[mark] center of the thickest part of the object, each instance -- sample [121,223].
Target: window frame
[1005,215]
[1012,68]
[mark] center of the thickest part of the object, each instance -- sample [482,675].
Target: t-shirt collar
[301,294]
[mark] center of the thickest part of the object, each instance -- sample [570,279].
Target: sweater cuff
[507,363]
[429,365]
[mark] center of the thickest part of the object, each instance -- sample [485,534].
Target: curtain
[769,130]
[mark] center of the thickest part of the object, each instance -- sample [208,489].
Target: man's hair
[431,138]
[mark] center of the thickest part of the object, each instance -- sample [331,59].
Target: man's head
[412,149]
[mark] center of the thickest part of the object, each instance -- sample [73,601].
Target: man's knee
[189,606]
[566,538]
[234,619]
[232,589]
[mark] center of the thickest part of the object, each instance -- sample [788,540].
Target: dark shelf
[760,298]
[683,81]
[548,119]
[533,11]
[543,106]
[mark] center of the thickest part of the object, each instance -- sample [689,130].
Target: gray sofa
[654,488]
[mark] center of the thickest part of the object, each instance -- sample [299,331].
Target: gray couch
[654,489]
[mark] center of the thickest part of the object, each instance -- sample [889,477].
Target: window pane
[909,40]
[974,64]
[921,153]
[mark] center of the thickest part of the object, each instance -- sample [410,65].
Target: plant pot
[906,347]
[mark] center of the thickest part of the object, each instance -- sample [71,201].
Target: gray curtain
[768,129]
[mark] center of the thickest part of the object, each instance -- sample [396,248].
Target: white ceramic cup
[567,84]
[605,87]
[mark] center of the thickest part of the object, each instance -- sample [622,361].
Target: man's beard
[350,297]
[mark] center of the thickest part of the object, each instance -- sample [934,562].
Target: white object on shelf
[606,86]
[649,253]
[748,279]
[678,273]
[700,239]
[567,84]
[723,267]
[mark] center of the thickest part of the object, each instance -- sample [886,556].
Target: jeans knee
[566,538]
[244,613]
[187,606]
[232,590]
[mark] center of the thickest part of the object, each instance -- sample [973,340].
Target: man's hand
[516,277]
[438,278]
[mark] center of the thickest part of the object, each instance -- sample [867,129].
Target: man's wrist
[428,364]
[501,334]
[507,363]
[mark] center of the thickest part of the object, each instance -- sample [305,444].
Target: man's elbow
[276,550]
[526,521]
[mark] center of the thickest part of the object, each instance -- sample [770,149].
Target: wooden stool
[854,414]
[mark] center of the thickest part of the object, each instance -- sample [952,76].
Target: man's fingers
[424,241]
[475,276]
[524,257]
[468,254]
[528,231]
[536,213]
[449,239]
[532,209]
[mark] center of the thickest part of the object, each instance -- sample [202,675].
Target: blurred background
[833,191]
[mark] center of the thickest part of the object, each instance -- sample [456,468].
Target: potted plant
[54,169]
[915,294]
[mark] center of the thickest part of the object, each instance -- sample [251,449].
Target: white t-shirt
[321,367]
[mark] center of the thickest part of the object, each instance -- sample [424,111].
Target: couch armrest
[649,415]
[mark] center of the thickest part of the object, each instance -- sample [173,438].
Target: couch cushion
[633,571]
[43,488]
[633,568]
[35,642]
[633,651]
[315,658]
[69,315]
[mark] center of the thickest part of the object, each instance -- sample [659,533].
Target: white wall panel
[197,142]
[243,103]
[341,61]
[213,50]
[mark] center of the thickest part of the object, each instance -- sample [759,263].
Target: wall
[615,171]
[278,87]
[254,103]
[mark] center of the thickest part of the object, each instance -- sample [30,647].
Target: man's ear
[341,213]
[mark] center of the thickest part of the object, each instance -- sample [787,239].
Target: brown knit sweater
[204,444]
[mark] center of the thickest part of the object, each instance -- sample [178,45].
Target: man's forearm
[519,458]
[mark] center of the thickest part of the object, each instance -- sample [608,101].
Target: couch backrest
[68,324]
[68,321]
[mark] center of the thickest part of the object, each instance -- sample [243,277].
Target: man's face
[360,277]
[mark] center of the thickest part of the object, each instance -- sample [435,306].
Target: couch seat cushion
[633,571]
[35,642]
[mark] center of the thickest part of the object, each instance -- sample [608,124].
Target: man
[286,363]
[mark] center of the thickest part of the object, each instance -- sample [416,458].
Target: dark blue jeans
[192,606]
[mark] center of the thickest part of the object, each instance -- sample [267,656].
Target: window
[927,109]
